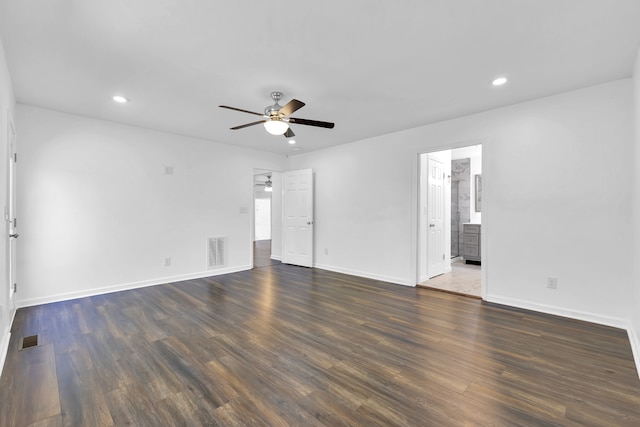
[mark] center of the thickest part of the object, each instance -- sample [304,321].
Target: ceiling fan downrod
[273,110]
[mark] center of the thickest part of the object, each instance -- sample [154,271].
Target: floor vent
[216,252]
[28,342]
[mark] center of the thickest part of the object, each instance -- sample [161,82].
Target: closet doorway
[267,202]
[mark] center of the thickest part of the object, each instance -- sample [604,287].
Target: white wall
[557,201]
[634,334]
[7,108]
[363,208]
[99,213]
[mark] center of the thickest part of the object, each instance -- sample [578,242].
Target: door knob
[15,236]
[432,225]
[309,222]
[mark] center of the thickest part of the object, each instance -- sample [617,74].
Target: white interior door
[435,217]
[10,214]
[298,218]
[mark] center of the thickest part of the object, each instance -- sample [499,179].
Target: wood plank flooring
[290,346]
[262,254]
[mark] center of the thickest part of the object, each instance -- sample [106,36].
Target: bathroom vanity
[471,243]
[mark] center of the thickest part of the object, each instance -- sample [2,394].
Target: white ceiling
[372,67]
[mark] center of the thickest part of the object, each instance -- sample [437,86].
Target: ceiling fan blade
[291,107]
[240,109]
[311,123]
[247,125]
[289,133]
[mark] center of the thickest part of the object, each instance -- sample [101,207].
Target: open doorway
[267,217]
[450,220]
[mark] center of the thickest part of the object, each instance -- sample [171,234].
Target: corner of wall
[634,327]
[4,342]
[634,340]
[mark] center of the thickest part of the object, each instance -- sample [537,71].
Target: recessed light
[297,148]
[120,99]
[499,81]
[291,141]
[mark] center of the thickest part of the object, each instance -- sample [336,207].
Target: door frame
[11,212]
[275,196]
[417,250]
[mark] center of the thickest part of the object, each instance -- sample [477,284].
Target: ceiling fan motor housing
[272,110]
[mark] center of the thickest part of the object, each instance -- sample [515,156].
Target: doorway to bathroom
[451,220]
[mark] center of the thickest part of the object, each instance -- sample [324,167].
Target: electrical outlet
[326,251]
[552,282]
[167,261]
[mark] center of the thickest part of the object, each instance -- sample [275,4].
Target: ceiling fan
[276,118]
[268,184]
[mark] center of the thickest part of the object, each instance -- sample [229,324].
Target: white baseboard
[367,275]
[127,286]
[634,340]
[276,258]
[4,344]
[616,322]
[4,349]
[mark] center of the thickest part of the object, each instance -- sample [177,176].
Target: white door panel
[298,218]
[435,211]
[11,213]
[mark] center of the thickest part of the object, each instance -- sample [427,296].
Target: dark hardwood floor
[262,254]
[290,346]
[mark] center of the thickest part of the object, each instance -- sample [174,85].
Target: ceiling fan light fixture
[276,126]
[499,81]
[268,185]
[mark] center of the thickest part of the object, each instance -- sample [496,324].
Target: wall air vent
[216,252]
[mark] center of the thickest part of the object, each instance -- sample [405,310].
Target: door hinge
[15,288]
[15,157]
[443,257]
[15,222]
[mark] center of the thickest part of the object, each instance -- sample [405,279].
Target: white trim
[616,322]
[128,286]
[634,340]
[276,258]
[394,280]
[4,350]
[415,207]
[4,345]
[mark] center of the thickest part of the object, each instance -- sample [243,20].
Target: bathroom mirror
[478,193]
